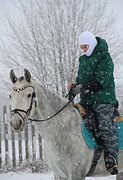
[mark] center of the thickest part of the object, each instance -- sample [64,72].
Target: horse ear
[13,77]
[27,75]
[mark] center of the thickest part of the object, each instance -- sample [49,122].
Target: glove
[75,90]
[93,86]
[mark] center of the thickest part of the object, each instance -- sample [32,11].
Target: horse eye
[29,95]
[10,96]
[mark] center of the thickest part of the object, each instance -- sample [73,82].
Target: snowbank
[41,176]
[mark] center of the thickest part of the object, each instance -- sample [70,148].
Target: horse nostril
[10,123]
[20,122]
[16,124]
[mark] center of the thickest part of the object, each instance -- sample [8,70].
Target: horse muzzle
[17,123]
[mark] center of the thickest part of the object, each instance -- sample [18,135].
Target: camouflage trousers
[100,121]
[108,128]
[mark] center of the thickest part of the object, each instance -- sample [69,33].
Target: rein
[30,108]
[47,119]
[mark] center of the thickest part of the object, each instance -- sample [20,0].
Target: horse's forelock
[21,78]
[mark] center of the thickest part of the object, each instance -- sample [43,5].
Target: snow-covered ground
[26,176]
[39,176]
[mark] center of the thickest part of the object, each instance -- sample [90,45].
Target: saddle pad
[90,140]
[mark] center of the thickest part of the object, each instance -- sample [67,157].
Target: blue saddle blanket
[90,140]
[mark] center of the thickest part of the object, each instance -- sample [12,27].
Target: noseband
[17,111]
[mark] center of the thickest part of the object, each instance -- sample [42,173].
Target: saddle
[90,120]
[119,118]
[82,111]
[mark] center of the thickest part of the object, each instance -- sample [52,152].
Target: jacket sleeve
[93,86]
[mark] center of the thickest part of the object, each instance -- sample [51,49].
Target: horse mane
[55,101]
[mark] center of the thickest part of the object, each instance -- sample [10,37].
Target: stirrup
[110,169]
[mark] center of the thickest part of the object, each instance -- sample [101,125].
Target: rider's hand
[71,85]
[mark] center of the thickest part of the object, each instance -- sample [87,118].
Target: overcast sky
[7,7]
[117,6]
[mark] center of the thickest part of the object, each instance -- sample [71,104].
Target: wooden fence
[18,148]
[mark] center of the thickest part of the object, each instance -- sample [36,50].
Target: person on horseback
[95,83]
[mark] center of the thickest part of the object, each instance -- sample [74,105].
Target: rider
[95,83]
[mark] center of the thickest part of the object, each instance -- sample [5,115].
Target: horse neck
[66,121]
[48,102]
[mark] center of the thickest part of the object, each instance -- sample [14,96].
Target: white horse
[67,154]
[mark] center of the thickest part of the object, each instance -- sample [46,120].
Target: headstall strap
[21,89]
[30,107]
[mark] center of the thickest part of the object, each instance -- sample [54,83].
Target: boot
[111,165]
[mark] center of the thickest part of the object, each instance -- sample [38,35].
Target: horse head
[22,100]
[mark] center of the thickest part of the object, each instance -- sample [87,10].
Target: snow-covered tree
[45,40]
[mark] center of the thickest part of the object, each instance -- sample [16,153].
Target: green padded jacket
[99,66]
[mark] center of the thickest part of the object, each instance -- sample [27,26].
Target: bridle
[27,112]
[14,111]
